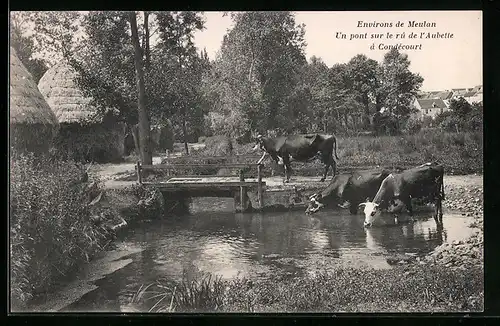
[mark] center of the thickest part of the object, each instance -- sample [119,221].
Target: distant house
[422,94]
[445,96]
[460,92]
[429,107]
[475,95]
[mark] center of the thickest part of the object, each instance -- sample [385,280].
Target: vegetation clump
[53,225]
[416,288]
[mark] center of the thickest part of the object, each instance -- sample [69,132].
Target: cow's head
[258,142]
[314,204]
[371,211]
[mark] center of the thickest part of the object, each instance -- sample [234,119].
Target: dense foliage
[51,225]
[462,116]
[260,80]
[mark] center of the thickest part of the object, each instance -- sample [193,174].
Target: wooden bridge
[213,185]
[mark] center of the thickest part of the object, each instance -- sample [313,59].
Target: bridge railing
[240,167]
[220,159]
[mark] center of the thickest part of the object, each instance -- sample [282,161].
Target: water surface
[216,240]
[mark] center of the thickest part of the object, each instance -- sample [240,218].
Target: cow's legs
[407,202]
[326,172]
[438,217]
[353,209]
[288,168]
[329,161]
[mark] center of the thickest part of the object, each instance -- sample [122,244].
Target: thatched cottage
[84,135]
[32,125]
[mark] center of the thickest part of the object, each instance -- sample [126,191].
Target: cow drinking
[302,148]
[424,181]
[353,187]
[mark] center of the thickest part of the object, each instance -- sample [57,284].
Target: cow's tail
[335,147]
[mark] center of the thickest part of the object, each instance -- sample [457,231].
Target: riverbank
[61,219]
[441,274]
[449,279]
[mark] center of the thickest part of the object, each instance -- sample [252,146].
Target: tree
[399,86]
[461,108]
[316,77]
[144,126]
[107,65]
[184,65]
[257,73]
[462,116]
[24,46]
[361,77]
[475,120]
[56,33]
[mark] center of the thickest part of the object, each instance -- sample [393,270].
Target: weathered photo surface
[246,161]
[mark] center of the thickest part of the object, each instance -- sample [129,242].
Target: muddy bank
[117,209]
[83,282]
[464,194]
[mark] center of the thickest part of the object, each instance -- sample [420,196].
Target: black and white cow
[302,148]
[424,182]
[353,187]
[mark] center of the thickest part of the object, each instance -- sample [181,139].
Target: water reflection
[258,245]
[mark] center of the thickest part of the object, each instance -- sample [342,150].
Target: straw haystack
[33,125]
[83,135]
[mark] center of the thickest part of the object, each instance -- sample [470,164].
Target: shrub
[413,126]
[451,123]
[51,228]
[217,146]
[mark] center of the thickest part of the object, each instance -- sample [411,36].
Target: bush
[51,228]
[217,146]
[89,143]
[413,126]
[451,123]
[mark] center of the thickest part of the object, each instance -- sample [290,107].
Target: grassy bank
[459,153]
[402,289]
[53,227]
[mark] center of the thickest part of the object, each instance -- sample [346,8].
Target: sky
[444,63]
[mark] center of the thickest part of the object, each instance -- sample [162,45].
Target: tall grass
[403,288]
[51,226]
[201,293]
[459,153]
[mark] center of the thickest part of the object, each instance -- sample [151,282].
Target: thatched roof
[27,105]
[59,89]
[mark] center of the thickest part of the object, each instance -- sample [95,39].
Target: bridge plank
[247,156]
[190,165]
[189,185]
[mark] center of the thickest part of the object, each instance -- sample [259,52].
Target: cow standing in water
[353,187]
[424,181]
[302,148]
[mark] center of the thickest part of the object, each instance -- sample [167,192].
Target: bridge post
[242,192]
[139,175]
[259,186]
